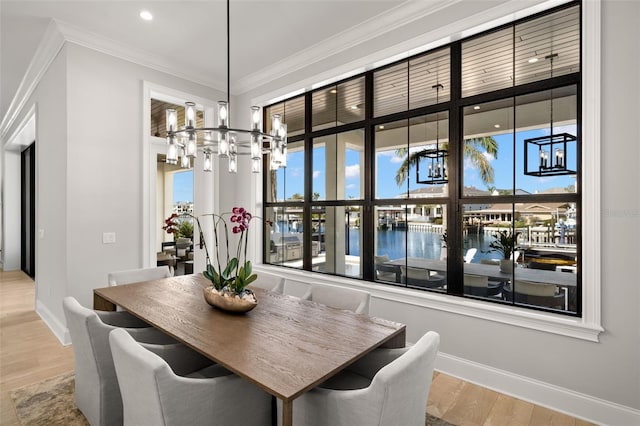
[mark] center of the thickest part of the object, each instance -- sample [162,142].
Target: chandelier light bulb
[233,163]
[172,154]
[255,165]
[223,114]
[191,147]
[208,162]
[255,118]
[190,114]
[172,120]
[223,144]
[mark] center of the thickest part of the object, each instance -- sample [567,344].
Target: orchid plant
[231,273]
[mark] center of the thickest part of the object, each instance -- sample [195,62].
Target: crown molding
[52,42]
[388,21]
[141,57]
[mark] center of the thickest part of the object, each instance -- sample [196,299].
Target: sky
[183,186]
[291,179]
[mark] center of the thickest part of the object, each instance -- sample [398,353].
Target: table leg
[398,341]
[287,413]
[100,304]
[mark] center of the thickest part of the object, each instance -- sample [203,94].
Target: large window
[455,171]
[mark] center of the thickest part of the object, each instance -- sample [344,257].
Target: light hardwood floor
[30,353]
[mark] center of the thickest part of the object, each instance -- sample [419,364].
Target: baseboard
[57,328]
[575,404]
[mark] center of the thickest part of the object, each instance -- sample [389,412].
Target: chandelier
[224,140]
[552,149]
[435,159]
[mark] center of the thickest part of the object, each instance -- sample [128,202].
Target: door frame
[205,185]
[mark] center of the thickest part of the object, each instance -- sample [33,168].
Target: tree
[474,150]
[297,196]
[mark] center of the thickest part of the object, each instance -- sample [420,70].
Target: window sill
[578,328]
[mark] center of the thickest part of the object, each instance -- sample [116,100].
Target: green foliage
[504,242]
[185,229]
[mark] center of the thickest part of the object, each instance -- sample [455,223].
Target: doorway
[28,210]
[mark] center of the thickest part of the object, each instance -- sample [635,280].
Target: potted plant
[505,243]
[229,276]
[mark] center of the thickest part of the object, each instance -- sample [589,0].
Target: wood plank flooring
[30,353]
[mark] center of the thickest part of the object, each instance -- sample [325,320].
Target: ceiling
[190,34]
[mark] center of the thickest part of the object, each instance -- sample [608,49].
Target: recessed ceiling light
[333,91]
[146,15]
[532,60]
[355,107]
[381,127]
[497,126]
[476,107]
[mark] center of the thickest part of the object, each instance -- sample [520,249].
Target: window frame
[588,326]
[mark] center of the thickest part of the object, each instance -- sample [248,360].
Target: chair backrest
[96,387]
[295,288]
[137,369]
[136,275]
[535,289]
[270,282]
[404,384]
[340,298]
[515,255]
[414,273]
[475,280]
[468,257]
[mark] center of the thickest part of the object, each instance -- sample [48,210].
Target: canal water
[398,243]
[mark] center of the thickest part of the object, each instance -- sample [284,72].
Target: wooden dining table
[286,345]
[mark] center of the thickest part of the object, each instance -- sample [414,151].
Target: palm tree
[474,149]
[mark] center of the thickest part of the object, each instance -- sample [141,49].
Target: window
[455,171]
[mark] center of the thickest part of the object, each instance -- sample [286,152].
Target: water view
[418,244]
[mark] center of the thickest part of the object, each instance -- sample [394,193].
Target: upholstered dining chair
[469,255]
[387,387]
[479,285]
[420,277]
[538,294]
[97,393]
[270,282]
[341,298]
[135,275]
[163,386]
[384,271]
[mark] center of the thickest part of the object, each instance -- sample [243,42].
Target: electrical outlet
[108,238]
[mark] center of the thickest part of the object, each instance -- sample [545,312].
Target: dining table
[285,345]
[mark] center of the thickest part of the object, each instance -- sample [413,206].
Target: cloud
[316,174]
[395,159]
[488,156]
[351,186]
[352,171]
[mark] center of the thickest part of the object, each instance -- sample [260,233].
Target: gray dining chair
[420,277]
[384,271]
[340,298]
[166,386]
[480,285]
[387,387]
[97,393]
[537,294]
[270,282]
[136,275]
